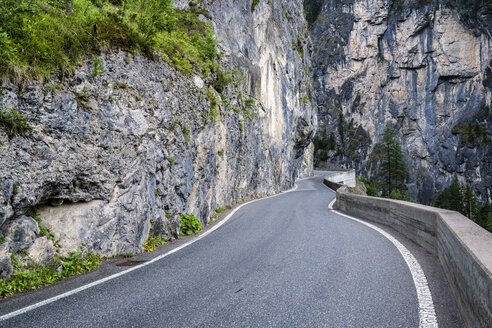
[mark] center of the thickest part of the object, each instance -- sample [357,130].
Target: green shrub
[14,122]
[171,160]
[219,210]
[222,80]
[33,275]
[153,242]
[371,188]
[186,134]
[189,225]
[214,103]
[98,67]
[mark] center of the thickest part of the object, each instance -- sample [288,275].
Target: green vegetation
[39,37]
[128,255]
[98,67]
[186,134]
[312,9]
[14,122]
[393,169]
[461,198]
[31,276]
[214,103]
[189,225]
[371,187]
[222,80]
[43,231]
[389,180]
[253,5]
[250,104]
[219,210]
[220,152]
[322,145]
[153,242]
[474,134]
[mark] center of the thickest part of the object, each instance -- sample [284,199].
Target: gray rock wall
[115,157]
[422,67]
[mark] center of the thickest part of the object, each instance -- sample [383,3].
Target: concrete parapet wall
[463,248]
[331,184]
[346,177]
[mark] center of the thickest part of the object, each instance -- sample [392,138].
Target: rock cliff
[118,156]
[423,66]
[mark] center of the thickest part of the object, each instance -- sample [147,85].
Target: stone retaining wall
[464,248]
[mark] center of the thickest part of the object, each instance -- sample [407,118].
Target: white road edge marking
[427,314]
[119,274]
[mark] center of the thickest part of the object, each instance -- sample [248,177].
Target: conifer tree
[393,169]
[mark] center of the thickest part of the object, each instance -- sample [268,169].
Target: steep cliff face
[117,156]
[424,67]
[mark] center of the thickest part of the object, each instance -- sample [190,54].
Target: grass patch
[38,38]
[32,276]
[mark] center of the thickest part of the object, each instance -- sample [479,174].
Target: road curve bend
[284,261]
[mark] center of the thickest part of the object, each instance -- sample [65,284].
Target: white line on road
[427,314]
[119,274]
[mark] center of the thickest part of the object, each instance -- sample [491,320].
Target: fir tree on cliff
[393,169]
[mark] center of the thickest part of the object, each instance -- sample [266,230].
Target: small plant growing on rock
[128,255]
[14,122]
[186,134]
[171,160]
[98,67]
[153,242]
[189,225]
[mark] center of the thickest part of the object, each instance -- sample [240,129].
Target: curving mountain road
[285,261]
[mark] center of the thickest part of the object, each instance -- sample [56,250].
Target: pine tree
[469,203]
[451,197]
[393,169]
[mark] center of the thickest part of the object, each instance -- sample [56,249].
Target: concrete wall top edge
[474,238]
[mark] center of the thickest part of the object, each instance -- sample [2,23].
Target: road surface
[285,261]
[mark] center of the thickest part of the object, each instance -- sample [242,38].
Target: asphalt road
[286,261]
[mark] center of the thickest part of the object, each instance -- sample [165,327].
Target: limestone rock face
[120,155]
[421,68]
[20,233]
[6,268]
[41,251]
